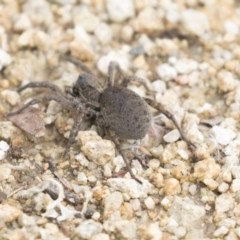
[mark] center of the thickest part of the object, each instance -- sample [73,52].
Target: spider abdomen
[125,112]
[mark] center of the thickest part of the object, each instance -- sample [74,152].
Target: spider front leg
[63,100]
[79,124]
[172,118]
[48,85]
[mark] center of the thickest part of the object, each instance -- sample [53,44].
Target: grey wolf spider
[121,113]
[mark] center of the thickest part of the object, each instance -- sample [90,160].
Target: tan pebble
[127,211]
[206,169]
[211,184]
[5,172]
[172,187]
[156,179]
[11,97]
[148,21]
[8,213]
[100,236]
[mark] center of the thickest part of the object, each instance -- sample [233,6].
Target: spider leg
[67,102]
[113,69]
[77,63]
[172,118]
[49,85]
[79,124]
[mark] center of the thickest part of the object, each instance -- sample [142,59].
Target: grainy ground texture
[187,52]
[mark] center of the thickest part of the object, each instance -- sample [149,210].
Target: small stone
[5,59]
[226,81]
[198,27]
[82,17]
[235,187]
[4,147]
[149,203]
[126,229]
[5,172]
[171,136]
[151,231]
[212,184]
[12,97]
[224,203]
[222,135]
[187,212]
[82,178]
[22,23]
[34,38]
[223,187]
[6,130]
[148,21]
[31,121]
[88,229]
[172,187]
[100,236]
[81,47]
[206,169]
[127,33]
[119,11]
[96,149]
[9,213]
[185,66]
[103,33]
[221,231]
[166,72]
[130,186]
[112,203]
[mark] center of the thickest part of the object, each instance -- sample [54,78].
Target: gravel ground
[187,52]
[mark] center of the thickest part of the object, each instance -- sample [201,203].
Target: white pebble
[81,178]
[130,186]
[3,149]
[11,97]
[235,185]
[166,72]
[199,26]
[88,229]
[159,86]
[100,236]
[149,203]
[224,203]
[5,172]
[185,66]
[119,11]
[220,232]
[187,212]
[192,189]
[210,183]
[22,23]
[5,59]
[171,136]
[112,203]
[231,27]
[127,229]
[103,33]
[223,187]
[222,135]
[84,18]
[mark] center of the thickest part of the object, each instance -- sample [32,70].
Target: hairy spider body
[125,112]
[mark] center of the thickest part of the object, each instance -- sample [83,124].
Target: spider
[121,113]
